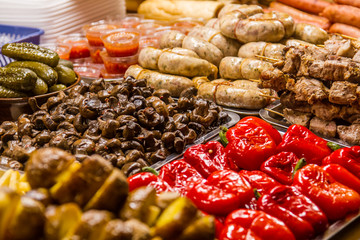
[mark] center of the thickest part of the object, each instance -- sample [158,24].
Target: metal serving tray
[282,124]
[234,118]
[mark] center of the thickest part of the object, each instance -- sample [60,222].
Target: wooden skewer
[254,80]
[269,96]
[348,37]
[267,58]
[320,45]
[272,111]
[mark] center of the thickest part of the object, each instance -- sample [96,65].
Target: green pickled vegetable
[19,79]
[57,87]
[40,87]
[66,75]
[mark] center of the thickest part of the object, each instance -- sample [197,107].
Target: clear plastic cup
[89,70]
[63,50]
[78,43]
[95,53]
[93,31]
[149,26]
[104,74]
[149,41]
[118,65]
[121,42]
[130,20]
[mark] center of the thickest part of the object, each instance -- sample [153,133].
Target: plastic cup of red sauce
[95,53]
[148,26]
[93,31]
[185,25]
[118,65]
[63,50]
[129,21]
[121,42]
[78,43]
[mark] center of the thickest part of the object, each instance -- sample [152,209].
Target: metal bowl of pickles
[37,74]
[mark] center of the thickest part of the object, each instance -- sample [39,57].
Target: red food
[148,179]
[297,211]
[305,144]
[180,175]
[207,158]
[300,16]
[343,14]
[224,191]
[345,30]
[335,199]
[343,176]
[313,6]
[249,145]
[251,224]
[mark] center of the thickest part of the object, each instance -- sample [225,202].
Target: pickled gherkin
[57,87]
[20,79]
[43,71]
[8,93]
[40,87]
[30,52]
[66,75]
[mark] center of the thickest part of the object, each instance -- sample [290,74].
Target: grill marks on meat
[310,90]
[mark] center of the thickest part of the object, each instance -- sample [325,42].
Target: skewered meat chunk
[325,110]
[343,93]
[349,134]
[310,90]
[325,128]
[350,113]
[287,99]
[339,46]
[274,79]
[296,117]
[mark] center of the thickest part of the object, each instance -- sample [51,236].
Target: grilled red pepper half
[343,176]
[305,144]
[180,176]
[222,192]
[251,224]
[297,211]
[282,167]
[207,158]
[349,158]
[334,198]
[260,183]
[148,179]
[266,126]
[249,145]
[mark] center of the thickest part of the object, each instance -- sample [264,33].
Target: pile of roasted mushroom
[126,122]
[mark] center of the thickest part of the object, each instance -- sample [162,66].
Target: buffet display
[145,128]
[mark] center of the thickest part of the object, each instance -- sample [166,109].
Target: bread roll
[169,10]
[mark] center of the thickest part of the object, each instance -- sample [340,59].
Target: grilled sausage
[271,50]
[174,84]
[171,39]
[310,33]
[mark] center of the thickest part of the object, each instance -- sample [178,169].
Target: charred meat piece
[339,46]
[342,92]
[325,110]
[296,117]
[325,128]
[350,113]
[349,134]
[310,90]
[274,79]
[287,99]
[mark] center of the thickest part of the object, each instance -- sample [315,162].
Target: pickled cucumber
[43,71]
[20,79]
[40,87]
[57,87]
[8,93]
[66,75]
[31,52]
[66,63]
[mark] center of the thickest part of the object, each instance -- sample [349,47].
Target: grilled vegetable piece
[61,221]
[45,165]
[9,200]
[30,52]
[9,93]
[17,78]
[112,194]
[57,87]
[43,71]
[66,75]
[203,228]
[27,221]
[40,87]
[175,218]
[138,203]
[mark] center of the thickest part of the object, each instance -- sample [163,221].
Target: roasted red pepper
[343,176]
[148,179]
[282,167]
[305,144]
[335,199]
[251,224]
[222,192]
[260,183]
[266,126]
[349,158]
[207,158]
[297,211]
[249,145]
[180,175]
